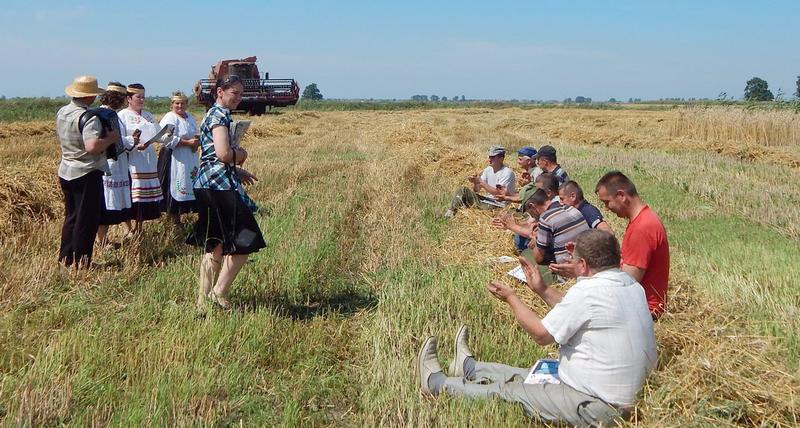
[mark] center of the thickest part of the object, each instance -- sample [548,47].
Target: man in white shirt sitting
[606,337]
[496,179]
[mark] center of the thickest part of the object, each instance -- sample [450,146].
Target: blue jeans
[521,243]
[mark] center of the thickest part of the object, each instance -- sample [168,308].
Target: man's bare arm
[635,272]
[604,226]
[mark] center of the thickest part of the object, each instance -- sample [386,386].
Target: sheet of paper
[518,273]
[493,203]
[506,259]
[544,371]
[238,129]
[168,129]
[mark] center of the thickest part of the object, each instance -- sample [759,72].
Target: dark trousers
[83,205]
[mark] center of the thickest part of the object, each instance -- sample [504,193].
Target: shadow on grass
[346,303]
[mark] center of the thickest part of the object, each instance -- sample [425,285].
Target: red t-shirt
[645,246]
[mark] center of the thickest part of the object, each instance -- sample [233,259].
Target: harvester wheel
[258,110]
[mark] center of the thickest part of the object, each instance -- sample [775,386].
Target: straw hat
[83,86]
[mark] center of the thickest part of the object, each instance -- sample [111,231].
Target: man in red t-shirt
[645,250]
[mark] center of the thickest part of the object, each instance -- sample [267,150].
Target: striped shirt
[558,226]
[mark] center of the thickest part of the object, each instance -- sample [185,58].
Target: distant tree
[463,98]
[455,98]
[434,98]
[419,98]
[444,98]
[630,100]
[797,92]
[612,100]
[568,101]
[722,96]
[311,92]
[757,89]
[779,95]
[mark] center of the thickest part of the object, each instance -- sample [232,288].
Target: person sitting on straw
[526,159]
[571,193]
[645,249]
[526,230]
[548,162]
[606,337]
[494,180]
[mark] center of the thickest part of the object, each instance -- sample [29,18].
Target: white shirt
[504,177]
[185,128]
[606,335]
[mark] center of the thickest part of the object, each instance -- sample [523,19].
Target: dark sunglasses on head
[228,81]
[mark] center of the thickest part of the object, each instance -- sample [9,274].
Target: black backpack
[108,118]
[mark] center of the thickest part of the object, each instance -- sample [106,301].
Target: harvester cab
[258,95]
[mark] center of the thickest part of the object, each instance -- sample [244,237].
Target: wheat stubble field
[361,267]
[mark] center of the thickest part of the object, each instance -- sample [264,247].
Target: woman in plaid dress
[225,227]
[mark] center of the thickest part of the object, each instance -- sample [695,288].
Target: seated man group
[606,337]
[495,179]
[603,323]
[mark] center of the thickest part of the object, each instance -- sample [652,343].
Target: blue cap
[527,151]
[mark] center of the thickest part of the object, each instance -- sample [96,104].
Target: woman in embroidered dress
[225,227]
[116,184]
[178,160]
[140,127]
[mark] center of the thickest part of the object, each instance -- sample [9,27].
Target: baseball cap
[524,194]
[497,150]
[527,151]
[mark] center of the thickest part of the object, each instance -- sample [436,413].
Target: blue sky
[353,49]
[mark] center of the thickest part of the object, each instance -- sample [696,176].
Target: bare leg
[231,265]
[102,233]
[209,269]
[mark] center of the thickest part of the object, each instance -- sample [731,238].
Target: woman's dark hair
[135,86]
[229,81]
[113,99]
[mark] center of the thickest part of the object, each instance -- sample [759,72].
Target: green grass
[26,109]
[330,316]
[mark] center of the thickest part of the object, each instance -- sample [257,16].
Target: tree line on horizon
[756,89]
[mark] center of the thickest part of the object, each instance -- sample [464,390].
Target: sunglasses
[228,81]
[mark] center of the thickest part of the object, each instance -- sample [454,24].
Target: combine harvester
[258,93]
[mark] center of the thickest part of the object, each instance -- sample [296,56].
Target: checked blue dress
[225,212]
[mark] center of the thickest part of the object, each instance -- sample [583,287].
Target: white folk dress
[185,160]
[145,187]
[117,185]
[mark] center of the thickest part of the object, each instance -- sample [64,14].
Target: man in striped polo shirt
[558,225]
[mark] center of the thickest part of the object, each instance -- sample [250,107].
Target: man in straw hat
[602,325]
[495,179]
[80,172]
